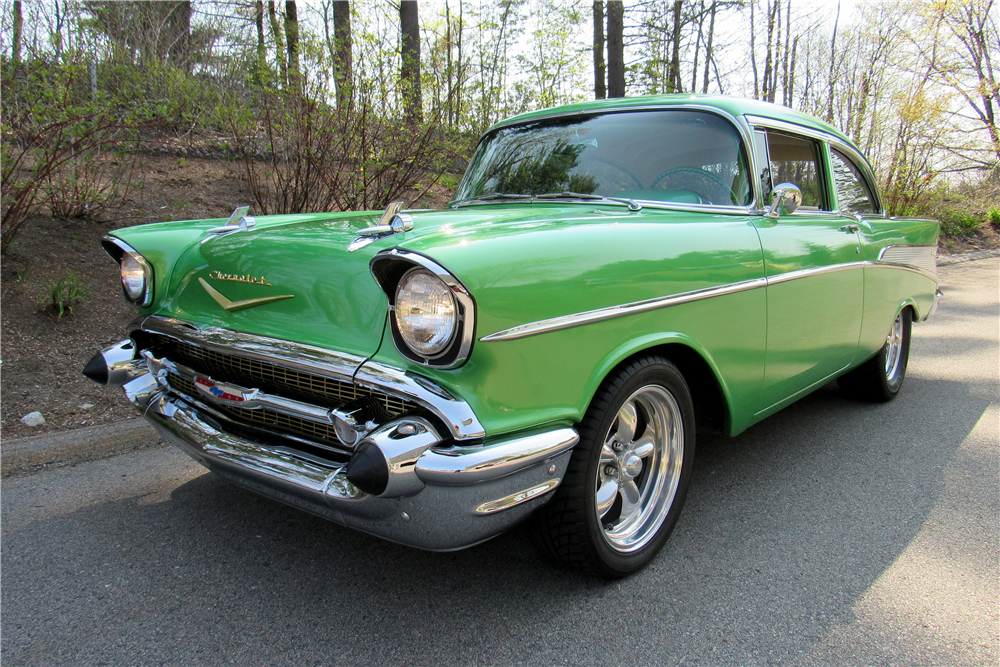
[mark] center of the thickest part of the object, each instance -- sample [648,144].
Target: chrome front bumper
[441,495]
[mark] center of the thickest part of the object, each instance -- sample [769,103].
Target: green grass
[62,295]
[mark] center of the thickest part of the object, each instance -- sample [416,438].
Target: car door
[815,281]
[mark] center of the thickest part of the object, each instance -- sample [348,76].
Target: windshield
[681,156]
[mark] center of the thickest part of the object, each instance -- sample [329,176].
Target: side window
[760,152]
[796,160]
[853,193]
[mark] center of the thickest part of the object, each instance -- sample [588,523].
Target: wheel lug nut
[611,470]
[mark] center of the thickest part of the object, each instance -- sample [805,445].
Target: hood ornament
[239,221]
[391,222]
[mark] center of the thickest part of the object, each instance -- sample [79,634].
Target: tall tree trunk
[709,56]
[790,90]
[179,34]
[261,45]
[292,36]
[767,86]
[600,88]
[15,46]
[460,67]
[448,66]
[833,62]
[753,55]
[343,55]
[697,45]
[674,84]
[785,98]
[409,48]
[279,42]
[616,49]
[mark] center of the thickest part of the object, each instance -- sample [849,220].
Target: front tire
[628,477]
[880,379]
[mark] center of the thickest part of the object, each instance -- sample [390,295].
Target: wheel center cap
[632,466]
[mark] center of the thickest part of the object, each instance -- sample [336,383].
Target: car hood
[289,277]
[331,299]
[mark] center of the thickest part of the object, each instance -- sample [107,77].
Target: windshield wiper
[493,196]
[496,196]
[631,203]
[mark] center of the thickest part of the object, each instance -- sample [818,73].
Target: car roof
[734,106]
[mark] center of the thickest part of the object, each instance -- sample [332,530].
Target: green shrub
[57,146]
[959,223]
[994,217]
[62,295]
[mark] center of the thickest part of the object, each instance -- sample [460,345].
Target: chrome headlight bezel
[390,269]
[119,251]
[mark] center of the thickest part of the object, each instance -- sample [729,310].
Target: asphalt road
[833,533]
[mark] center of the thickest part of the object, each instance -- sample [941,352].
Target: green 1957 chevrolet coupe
[609,278]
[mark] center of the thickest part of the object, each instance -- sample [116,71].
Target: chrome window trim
[646,203]
[464,337]
[866,173]
[623,310]
[147,297]
[456,414]
[830,139]
[742,128]
[792,128]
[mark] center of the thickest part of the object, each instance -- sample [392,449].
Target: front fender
[651,342]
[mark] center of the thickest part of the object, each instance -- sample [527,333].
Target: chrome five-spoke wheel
[626,481]
[640,468]
[894,349]
[881,377]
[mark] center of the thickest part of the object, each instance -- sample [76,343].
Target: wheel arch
[709,392]
[910,303]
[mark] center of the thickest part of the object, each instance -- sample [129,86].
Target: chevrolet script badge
[233,306]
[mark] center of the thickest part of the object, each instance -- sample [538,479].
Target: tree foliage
[914,82]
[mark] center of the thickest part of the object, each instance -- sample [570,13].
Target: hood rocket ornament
[391,222]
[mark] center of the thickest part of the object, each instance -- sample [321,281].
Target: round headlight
[135,277]
[426,314]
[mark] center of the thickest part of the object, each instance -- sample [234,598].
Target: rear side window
[853,193]
[795,160]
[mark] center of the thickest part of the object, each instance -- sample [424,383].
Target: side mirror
[785,200]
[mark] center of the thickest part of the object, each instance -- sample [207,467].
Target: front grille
[264,417]
[272,378]
[278,380]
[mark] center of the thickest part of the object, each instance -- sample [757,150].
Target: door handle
[850,229]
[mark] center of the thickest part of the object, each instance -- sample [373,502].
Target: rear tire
[628,476]
[881,378]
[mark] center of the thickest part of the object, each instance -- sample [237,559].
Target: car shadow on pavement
[785,527]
